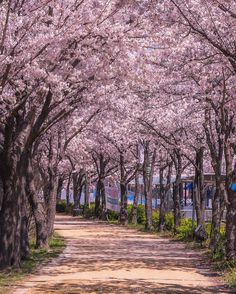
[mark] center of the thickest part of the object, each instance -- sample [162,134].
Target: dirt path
[107,259]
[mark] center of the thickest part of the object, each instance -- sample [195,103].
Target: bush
[169,221]
[141,218]
[130,208]
[185,231]
[61,206]
[89,212]
[112,215]
[69,209]
[141,214]
[155,219]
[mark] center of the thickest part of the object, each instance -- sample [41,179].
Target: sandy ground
[101,258]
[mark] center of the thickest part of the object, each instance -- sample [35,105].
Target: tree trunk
[136,198]
[38,210]
[103,211]
[10,225]
[123,193]
[230,199]
[124,204]
[98,199]
[86,192]
[176,189]
[199,188]
[51,204]
[148,170]
[68,191]
[231,225]
[176,200]
[162,202]
[59,189]
[75,189]
[25,228]
[80,193]
[37,204]
[216,217]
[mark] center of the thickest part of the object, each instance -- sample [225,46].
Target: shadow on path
[102,258]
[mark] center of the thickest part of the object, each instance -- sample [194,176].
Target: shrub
[141,214]
[130,208]
[169,221]
[89,212]
[155,219]
[69,209]
[186,229]
[112,215]
[61,206]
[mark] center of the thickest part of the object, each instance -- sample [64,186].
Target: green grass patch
[36,257]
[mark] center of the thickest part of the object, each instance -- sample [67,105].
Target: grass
[36,257]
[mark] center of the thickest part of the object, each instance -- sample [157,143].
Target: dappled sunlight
[101,258]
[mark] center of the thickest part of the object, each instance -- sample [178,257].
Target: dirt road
[101,258]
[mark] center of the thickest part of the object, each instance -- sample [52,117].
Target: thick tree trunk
[10,225]
[13,214]
[136,198]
